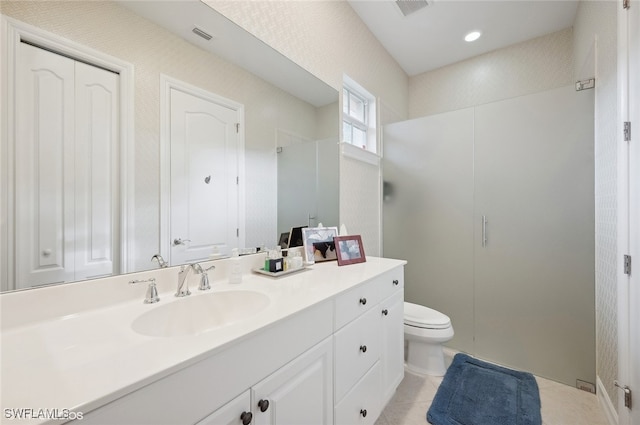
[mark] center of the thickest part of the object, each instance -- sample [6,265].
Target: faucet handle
[204,279]
[152,291]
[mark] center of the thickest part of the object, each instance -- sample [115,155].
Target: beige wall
[328,39]
[595,47]
[113,29]
[532,66]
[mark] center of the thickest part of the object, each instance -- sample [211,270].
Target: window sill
[359,154]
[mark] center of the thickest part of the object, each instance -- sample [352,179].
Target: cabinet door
[236,412]
[300,392]
[392,353]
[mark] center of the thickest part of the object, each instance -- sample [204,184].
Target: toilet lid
[424,317]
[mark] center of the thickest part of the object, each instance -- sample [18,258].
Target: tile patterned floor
[561,404]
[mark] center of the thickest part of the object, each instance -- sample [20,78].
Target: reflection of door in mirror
[204,172]
[66,169]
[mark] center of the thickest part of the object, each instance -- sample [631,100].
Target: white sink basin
[196,314]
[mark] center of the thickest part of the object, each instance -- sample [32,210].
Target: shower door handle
[484,231]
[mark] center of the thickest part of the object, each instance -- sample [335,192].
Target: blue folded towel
[474,392]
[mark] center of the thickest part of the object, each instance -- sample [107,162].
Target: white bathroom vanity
[322,346]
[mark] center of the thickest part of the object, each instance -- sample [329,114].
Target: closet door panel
[534,276]
[96,186]
[44,167]
[428,213]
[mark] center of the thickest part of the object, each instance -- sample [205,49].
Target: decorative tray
[279,274]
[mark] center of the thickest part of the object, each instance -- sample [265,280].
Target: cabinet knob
[385,311]
[263,405]
[363,348]
[363,412]
[363,301]
[395,282]
[246,418]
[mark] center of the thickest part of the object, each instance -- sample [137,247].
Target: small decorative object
[274,261]
[349,250]
[318,244]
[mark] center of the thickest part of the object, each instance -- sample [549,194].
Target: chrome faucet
[152,290]
[182,278]
[163,264]
[204,279]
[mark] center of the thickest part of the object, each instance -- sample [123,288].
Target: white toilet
[425,330]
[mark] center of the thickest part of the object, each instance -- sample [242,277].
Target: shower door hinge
[627,394]
[585,84]
[627,264]
[627,131]
[625,4]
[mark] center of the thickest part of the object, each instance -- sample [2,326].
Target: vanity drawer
[390,282]
[356,301]
[357,348]
[362,404]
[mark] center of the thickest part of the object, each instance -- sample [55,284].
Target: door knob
[178,241]
[246,418]
[263,405]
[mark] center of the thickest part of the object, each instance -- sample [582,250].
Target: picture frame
[349,250]
[318,244]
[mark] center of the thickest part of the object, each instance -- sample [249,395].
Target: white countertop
[80,359]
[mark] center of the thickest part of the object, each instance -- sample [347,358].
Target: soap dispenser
[235,267]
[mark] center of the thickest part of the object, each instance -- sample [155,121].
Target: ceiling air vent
[407,7]
[201,33]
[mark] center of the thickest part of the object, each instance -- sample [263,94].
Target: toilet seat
[420,316]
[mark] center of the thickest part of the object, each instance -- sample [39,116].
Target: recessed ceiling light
[472,36]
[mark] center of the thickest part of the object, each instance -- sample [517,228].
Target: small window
[358,118]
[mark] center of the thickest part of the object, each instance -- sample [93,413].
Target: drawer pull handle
[363,412]
[246,418]
[363,301]
[395,282]
[263,405]
[363,348]
[385,311]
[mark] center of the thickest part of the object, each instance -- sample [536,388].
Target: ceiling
[433,36]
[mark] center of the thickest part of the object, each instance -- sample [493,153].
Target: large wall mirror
[289,119]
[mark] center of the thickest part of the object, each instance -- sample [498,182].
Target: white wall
[595,49]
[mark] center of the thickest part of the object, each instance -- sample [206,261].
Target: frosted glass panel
[526,298]
[308,181]
[535,291]
[296,185]
[428,213]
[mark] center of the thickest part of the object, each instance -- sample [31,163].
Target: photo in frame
[349,249]
[318,244]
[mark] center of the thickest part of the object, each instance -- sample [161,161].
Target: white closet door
[534,277]
[204,171]
[45,229]
[67,221]
[96,188]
